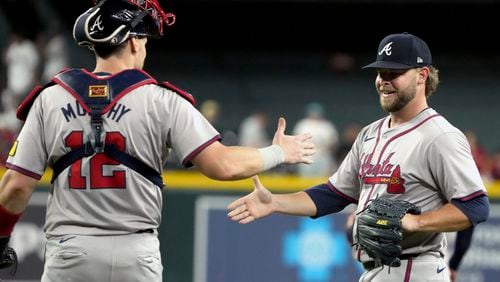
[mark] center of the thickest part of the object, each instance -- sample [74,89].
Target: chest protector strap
[97,96]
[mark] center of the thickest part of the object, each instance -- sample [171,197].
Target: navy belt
[150,230]
[369,265]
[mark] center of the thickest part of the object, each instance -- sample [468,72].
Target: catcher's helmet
[111,22]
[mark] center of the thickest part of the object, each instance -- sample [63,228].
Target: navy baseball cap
[402,51]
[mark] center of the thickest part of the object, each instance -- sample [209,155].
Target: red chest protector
[98,95]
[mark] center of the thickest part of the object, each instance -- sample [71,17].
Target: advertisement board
[300,249]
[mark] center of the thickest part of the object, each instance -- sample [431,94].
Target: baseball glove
[379,229]
[8,257]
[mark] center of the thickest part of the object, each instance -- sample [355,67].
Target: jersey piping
[79,83]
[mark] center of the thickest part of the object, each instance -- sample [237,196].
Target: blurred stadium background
[272,57]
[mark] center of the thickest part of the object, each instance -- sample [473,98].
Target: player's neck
[409,112]
[113,65]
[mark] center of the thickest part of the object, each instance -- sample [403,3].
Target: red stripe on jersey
[377,180]
[379,128]
[126,91]
[336,191]
[471,196]
[408,269]
[179,91]
[377,141]
[22,110]
[187,160]
[24,171]
[403,133]
[150,80]
[73,93]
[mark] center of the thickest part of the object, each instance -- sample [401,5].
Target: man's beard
[402,99]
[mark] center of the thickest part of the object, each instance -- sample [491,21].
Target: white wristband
[272,156]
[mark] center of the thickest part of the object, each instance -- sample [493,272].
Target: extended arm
[233,162]
[261,203]
[315,202]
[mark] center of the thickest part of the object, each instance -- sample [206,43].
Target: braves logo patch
[98,91]
[13,149]
[385,173]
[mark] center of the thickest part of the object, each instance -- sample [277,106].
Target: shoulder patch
[179,91]
[13,150]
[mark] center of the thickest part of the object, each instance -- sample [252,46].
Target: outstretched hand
[297,148]
[255,205]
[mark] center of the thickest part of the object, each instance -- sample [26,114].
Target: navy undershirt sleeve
[328,199]
[462,244]
[476,209]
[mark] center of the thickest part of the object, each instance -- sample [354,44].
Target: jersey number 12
[97,180]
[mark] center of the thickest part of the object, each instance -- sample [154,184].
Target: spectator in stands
[495,165]
[210,109]
[22,62]
[325,137]
[22,59]
[253,131]
[55,51]
[349,134]
[479,154]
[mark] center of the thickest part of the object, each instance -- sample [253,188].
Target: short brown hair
[432,81]
[107,51]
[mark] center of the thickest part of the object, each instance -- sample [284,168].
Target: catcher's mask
[111,22]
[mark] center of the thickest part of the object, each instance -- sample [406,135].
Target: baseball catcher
[8,257]
[379,229]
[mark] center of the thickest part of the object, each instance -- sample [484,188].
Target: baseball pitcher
[411,174]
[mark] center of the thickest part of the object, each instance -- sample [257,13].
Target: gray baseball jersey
[426,161]
[96,195]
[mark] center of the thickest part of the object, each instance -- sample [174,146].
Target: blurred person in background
[479,154]
[22,59]
[325,137]
[55,51]
[253,131]
[211,110]
[495,165]
[349,135]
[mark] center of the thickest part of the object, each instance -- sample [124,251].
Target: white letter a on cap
[387,49]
